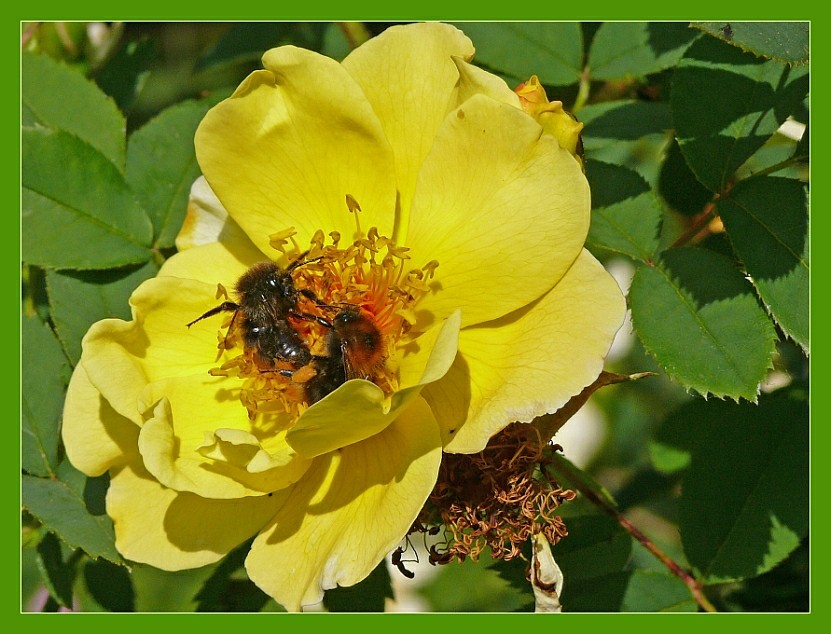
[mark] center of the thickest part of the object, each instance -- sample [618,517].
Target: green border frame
[156,10]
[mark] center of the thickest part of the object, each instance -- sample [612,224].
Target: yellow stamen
[368,276]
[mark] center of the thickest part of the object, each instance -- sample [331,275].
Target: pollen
[349,309]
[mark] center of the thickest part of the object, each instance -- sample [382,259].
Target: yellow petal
[409,77]
[216,263]
[289,146]
[352,508]
[121,358]
[176,531]
[476,81]
[95,436]
[530,362]
[502,208]
[206,220]
[184,450]
[358,409]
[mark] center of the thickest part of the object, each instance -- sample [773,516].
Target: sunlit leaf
[699,317]
[58,97]
[161,166]
[727,103]
[767,221]
[626,217]
[62,509]
[783,41]
[551,50]
[632,50]
[744,501]
[72,191]
[44,378]
[80,298]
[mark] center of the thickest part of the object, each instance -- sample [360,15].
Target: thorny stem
[665,559]
[697,226]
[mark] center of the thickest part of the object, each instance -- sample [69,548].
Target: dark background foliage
[696,148]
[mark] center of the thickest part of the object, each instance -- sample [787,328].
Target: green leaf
[553,51]
[745,499]
[630,591]
[782,41]
[786,588]
[335,43]
[596,546]
[228,589]
[109,586]
[59,97]
[244,43]
[627,50]
[161,166]
[699,317]
[57,570]
[105,294]
[632,134]
[767,222]
[44,378]
[679,187]
[70,190]
[63,510]
[161,591]
[614,121]
[124,75]
[486,589]
[626,217]
[684,430]
[369,595]
[569,476]
[727,103]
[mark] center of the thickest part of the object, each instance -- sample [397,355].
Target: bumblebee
[266,299]
[354,349]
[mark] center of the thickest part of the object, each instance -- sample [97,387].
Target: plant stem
[698,225]
[582,91]
[674,568]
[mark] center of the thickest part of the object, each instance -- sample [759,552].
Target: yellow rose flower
[431,204]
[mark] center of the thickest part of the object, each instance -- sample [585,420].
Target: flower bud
[551,116]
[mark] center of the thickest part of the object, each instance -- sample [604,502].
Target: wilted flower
[410,190]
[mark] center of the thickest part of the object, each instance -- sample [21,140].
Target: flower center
[335,313]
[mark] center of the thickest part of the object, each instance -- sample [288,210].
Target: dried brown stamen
[496,499]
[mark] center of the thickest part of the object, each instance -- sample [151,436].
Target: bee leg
[308,317]
[223,307]
[310,294]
